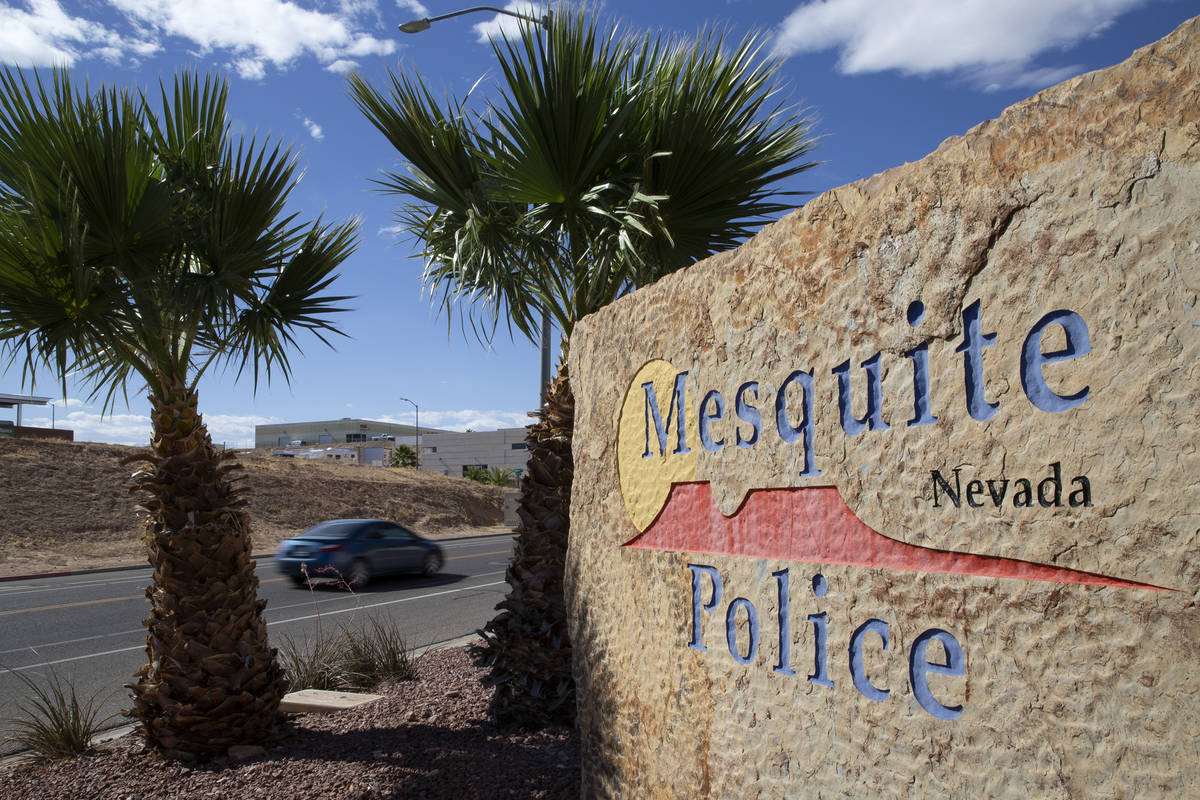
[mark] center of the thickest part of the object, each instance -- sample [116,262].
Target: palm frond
[143,241]
[609,161]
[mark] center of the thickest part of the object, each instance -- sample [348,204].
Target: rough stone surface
[324,701]
[1085,197]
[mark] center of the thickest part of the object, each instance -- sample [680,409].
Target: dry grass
[66,505]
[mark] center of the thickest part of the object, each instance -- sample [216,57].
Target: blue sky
[886,80]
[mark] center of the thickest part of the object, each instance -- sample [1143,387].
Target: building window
[356,437]
[520,446]
[429,449]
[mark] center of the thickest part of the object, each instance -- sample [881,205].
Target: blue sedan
[355,550]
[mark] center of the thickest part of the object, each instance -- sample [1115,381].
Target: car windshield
[338,529]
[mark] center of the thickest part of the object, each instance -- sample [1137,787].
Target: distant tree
[499,476]
[404,456]
[148,244]
[477,474]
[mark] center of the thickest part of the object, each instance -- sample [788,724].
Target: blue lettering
[1033,379]
[706,418]
[731,629]
[698,607]
[858,672]
[785,624]
[820,637]
[920,359]
[786,431]
[675,412]
[748,413]
[972,350]
[873,419]
[919,668]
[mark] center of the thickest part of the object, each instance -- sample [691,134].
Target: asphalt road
[87,628]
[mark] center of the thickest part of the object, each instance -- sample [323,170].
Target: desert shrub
[356,657]
[376,652]
[57,724]
[499,476]
[316,663]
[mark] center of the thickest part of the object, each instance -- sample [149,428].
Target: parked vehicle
[355,551]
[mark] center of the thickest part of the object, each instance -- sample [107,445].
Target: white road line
[344,598]
[270,608]
[29,588]
[276,622]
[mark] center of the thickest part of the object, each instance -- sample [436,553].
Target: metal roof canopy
[18,400]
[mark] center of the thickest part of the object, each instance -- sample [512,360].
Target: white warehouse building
[372,442]
[452,453]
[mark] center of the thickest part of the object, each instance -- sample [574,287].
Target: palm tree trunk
[527,645]
[212,680]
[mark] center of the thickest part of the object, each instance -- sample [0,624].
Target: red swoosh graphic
[814,524]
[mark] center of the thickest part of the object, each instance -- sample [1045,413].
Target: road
[87,628]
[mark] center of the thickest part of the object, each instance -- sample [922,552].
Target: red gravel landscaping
[428,738]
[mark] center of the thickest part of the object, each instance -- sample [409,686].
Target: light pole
[418,25]
[417,416]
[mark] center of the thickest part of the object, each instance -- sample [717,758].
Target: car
[355,551]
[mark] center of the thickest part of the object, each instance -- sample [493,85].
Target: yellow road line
[81,603]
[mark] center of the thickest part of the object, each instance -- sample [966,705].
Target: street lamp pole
[417,416]
[418,25]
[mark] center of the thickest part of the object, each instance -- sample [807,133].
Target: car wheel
[299,580]
[433,563]
[359,574]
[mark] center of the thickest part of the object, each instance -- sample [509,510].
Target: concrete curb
[256,557]
[107,735]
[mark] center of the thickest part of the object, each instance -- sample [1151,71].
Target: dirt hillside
[66,505]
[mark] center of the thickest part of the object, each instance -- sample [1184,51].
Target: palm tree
[151,246]
[608,162]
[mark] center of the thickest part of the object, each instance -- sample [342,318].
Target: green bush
[57,724]
[476,474]
[375,652]
[499,476]
[356,657]
[404,456]
[316,663]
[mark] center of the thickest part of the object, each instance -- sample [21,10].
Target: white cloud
[504,25]
[42,34]
[342,66]
[251,69]
[235,430]
[89,424]
[415,7]
[314,129]
[474,419]
[129,428]
[991,44]
[261,31]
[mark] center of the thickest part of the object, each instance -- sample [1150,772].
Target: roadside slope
[66,505]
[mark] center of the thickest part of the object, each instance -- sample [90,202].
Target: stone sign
[901,498]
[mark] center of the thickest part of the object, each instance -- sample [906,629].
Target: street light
[418,25]
[417,414]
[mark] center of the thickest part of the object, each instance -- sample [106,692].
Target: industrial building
[453,453]
[333,432]
[12,428]
[372,442]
